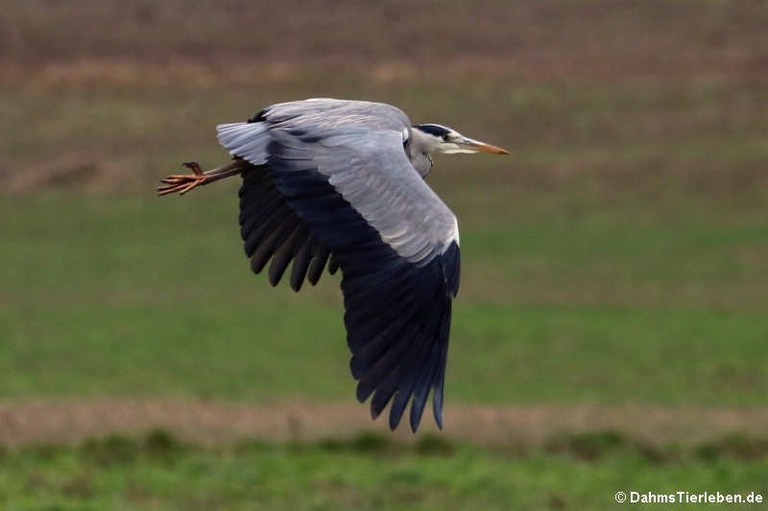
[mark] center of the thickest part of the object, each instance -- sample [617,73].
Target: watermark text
[687,497]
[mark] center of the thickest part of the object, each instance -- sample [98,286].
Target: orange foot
[182,183]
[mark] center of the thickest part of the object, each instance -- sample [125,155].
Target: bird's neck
[422,162]
[418,148]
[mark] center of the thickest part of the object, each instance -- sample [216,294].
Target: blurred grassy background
[365,472]
[620,256]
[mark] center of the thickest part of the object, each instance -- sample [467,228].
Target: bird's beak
[476,145]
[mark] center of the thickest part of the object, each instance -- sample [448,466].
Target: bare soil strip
[211,422]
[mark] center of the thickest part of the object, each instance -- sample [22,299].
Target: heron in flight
[337,184]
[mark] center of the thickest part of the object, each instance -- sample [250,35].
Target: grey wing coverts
[336,180]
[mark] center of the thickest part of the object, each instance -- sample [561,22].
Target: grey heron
[340,184]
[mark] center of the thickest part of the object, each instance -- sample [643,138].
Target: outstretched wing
[342,169]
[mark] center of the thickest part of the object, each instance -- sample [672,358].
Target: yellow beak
[483,147]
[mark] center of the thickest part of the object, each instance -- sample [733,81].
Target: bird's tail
[246,140]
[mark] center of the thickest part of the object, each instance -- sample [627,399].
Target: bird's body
[339,184]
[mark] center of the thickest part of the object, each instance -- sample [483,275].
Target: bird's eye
[445,137]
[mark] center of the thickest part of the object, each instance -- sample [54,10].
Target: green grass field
[366,472]
[604,262]
[607,274]
[607,305]
[618,259]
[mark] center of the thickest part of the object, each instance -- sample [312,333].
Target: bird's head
[434,138]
